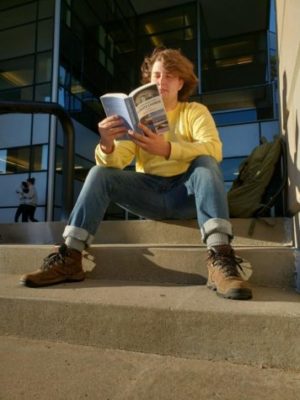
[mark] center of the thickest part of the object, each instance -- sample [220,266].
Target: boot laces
[229,263]
[55,258]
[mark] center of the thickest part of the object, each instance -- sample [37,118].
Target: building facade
[70,52]
[288,13]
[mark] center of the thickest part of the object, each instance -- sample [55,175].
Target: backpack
[261,180]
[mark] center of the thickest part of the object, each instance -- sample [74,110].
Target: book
[143,104]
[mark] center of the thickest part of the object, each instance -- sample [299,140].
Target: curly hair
[175,63]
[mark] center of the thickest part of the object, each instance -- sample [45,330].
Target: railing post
[53,119]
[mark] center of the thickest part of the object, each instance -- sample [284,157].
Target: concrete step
[267,232]
[176,320]
[272,266]
[45,370]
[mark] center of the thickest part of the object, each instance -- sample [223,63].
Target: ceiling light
[14,78]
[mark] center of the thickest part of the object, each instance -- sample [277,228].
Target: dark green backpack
[256,189]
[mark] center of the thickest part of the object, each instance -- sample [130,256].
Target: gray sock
[75,243]
[217,239]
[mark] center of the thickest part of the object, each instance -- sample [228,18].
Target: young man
[22,210]
[177,176]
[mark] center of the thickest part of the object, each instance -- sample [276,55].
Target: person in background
[31,200]
[22,210]
[177,176]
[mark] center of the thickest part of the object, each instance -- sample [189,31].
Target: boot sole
[32,284]
[233,294]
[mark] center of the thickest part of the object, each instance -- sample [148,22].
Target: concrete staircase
[145,296]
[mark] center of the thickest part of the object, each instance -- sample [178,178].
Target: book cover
[143,104]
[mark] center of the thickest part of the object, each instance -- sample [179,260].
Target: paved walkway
[46,370]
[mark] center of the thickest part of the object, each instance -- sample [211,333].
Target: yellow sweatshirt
[192,133]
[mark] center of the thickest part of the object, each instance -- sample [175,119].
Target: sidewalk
[55,371]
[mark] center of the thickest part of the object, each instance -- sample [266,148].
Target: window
[43,92]
[43,67]
[17,16]
[230,168]
[3,157]
[46,8]
[9,3]
[17,94]
[174,27]
[17,42]
[14,160]
[16,72]
[23,159]
[45,35]
[97,54]
[234,62]
[81,167]
[39,158]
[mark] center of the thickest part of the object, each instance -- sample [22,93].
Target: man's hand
[110,128]
[151,142]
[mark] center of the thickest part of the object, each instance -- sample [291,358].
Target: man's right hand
[110,128]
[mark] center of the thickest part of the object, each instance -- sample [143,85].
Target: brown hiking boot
[63,266]
[224,276]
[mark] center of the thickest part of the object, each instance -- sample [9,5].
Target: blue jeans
[197,193]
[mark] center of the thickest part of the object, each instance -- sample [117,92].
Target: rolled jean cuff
[216,225]
[79,234]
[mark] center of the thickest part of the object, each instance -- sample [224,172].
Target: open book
[143,104]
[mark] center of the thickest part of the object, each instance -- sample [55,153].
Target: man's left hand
[151,142]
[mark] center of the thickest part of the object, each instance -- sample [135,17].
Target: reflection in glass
[233,62]
[45,35]
[23,159]
[81,168]
[170,19]
[235,117]
[174,27]
[75,104]
[230,168]
[63,98]
[14,160]
[25,93]
[17,41]
[39,158]
[43,92]
[64,76]
[9,3]
[3,157]
[43,67]
[16,72]
[17,16]
[46,8]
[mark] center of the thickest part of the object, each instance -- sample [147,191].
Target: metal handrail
[27,107]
